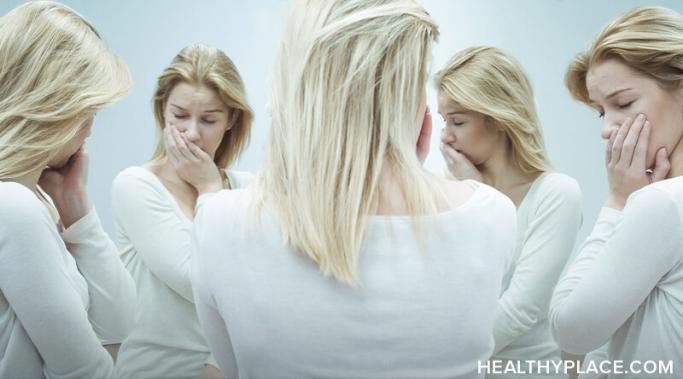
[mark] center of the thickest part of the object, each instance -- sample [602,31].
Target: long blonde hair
[346,87]
[647,39]
[55,73]
[207,66]
[490,81]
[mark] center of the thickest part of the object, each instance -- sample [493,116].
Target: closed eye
[624,106]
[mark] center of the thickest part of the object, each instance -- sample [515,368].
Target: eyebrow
[209,111]
[456,112]
[617,92]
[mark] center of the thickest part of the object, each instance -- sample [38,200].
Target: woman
[201,109]
[65,297]
[354,261]
[492,135]
[625,286]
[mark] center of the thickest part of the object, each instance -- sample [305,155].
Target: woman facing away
[65,298]
[346,258]
[626,286]
[201,110]
[492,135]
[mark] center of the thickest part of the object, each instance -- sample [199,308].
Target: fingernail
[641,116]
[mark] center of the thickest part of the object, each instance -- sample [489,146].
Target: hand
[458,164]
[626,161]
[67,187]
[192,164]
[425,136]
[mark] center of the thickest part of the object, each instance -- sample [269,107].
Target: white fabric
[424,308]
[153,235]
[61,296]
[548,220]
[626,285]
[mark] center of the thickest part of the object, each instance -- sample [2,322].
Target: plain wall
[544,35]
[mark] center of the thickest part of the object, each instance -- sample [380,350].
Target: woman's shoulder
[555,188]
[558,183]
[474,196]
[239,179]
[135,178]
[662,194]
[20,206]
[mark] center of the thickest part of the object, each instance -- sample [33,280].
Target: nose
[190,129]
[447,136]
[609,124]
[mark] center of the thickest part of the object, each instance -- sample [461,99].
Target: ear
[234,116]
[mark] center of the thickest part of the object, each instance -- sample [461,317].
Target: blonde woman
[492,135]
[201,110]
[65,297]
[354,260]
[626,285]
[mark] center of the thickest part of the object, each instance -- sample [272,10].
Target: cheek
[213,138]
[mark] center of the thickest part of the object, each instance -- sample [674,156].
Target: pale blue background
[543,35]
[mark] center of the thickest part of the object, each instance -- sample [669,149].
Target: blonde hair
[55,73]
[490,81]
[203,65]
[346,87]
[647,39]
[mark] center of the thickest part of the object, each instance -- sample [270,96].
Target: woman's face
[468,132]
[618,92]
[199,114]
[71,147]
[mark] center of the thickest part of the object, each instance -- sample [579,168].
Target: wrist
[615,202]
[208,187]
[72,209]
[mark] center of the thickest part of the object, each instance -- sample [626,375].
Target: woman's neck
[168,175]
[501,174]
[29,180]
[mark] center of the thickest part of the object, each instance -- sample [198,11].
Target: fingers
[640,151]
[181,146]
[618,144]
[197,152]
[662,166]
[176,147]
[449,153]
[610,143]
[630,141]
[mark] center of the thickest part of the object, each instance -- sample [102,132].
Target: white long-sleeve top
[61,296]
[424,307]
[548,220]
[626,284]
[153,235]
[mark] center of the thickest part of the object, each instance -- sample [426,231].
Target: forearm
[110,287]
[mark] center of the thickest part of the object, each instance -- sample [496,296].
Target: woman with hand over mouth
[66,300]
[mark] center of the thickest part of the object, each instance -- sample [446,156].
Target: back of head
[347,85]
[203,65]
[490,81]
[55,73]
[649,40]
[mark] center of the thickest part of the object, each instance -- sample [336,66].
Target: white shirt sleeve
[547,245]
[155,230]
[110,287]
[41,295]
[213,325]
[617,267]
